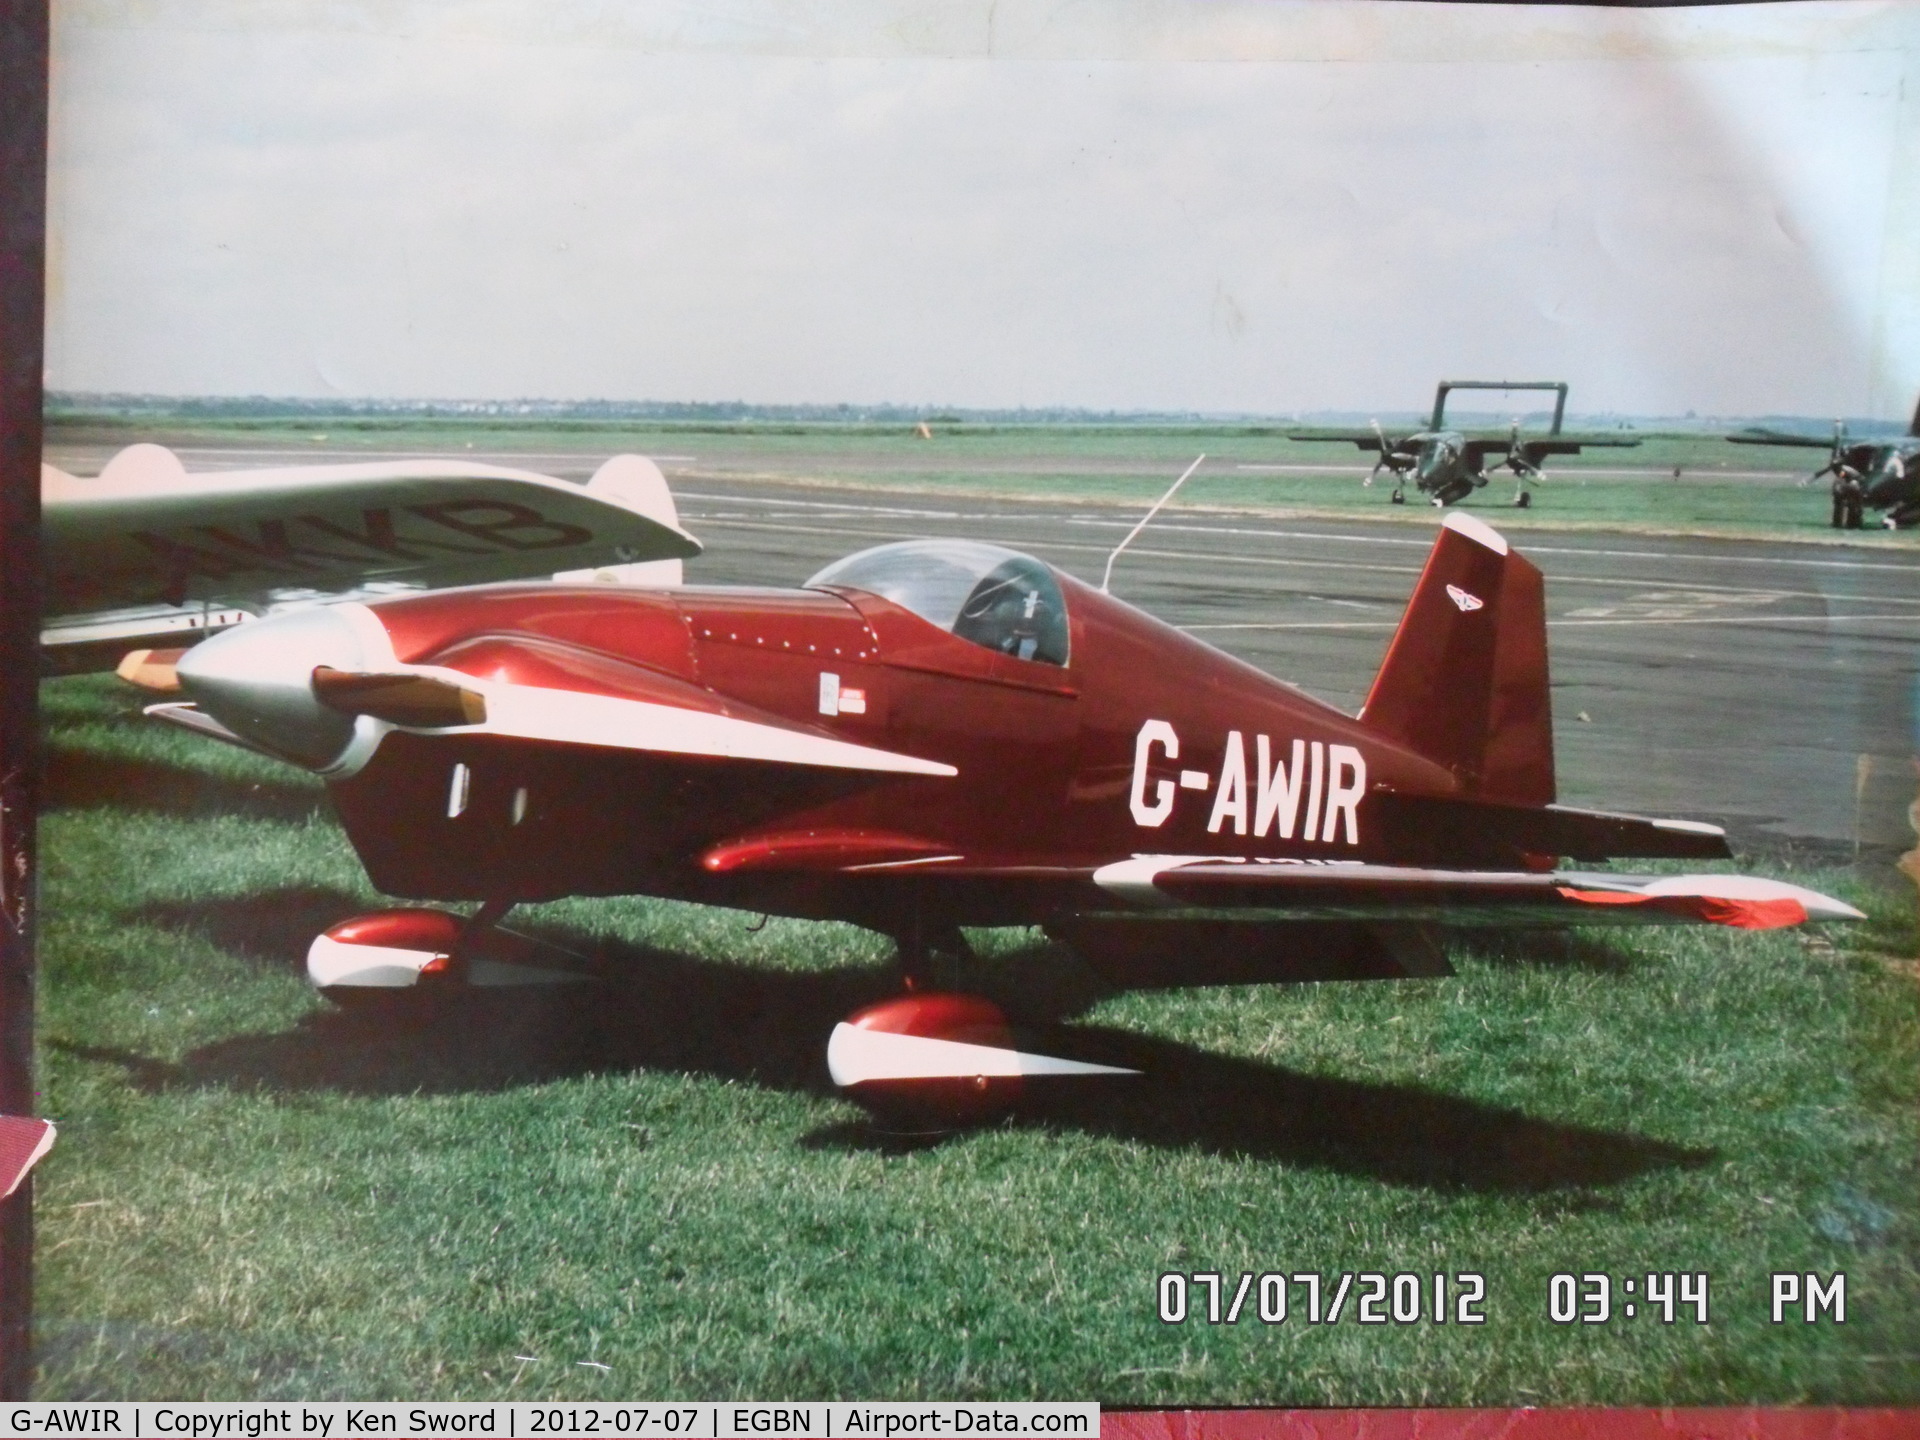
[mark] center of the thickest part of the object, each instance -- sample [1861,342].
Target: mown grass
[255,1195]
[1716,491]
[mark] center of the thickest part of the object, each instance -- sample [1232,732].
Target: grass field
[1723,489]
[257,1196]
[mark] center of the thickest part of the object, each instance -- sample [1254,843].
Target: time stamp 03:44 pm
[1368,1297]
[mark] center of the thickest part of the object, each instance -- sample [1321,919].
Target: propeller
[1524,469]
[422,700]
[1391,458]
[1836,460]
[1382,435]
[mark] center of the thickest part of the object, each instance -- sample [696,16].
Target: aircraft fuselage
[1146,740]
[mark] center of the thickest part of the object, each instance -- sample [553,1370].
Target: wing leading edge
[145,532]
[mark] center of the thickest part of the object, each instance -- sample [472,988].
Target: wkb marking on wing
[496,524]
[1334,778]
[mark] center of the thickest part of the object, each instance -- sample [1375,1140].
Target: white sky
[1223,206]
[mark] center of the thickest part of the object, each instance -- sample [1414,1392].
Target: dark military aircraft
[1881,474]
[1449,465]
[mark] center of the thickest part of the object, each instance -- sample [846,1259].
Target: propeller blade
[1390,456]
[402,699]
[151,669]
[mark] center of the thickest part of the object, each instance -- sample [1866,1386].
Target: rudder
[1464,681]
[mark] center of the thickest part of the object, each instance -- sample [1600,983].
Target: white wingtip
[1477,531]
[143,465]
[1755,887]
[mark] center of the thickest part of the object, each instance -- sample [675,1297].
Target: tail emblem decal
[1462,599]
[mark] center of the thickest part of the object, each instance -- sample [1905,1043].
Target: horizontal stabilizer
[1204,887]
[1436,830]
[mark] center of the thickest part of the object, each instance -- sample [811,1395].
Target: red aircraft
[936,734]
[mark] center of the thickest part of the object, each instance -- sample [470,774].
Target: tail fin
[1465,678]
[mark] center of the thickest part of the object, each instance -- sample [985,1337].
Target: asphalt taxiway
[1767,686]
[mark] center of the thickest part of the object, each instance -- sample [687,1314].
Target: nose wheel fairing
[391,952]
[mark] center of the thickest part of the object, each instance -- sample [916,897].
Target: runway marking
[1414,542]
[1758,621]
[1281,561]
[218,458]
[1566,475]
[1306,469]
[1294,625]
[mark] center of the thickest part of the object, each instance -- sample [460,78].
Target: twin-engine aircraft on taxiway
[936,734]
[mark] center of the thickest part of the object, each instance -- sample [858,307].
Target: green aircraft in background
[1449,465]
[1881,474]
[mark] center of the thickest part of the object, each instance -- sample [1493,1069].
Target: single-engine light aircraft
[1882,475]
[1449,465]
[146,553]
[933,734]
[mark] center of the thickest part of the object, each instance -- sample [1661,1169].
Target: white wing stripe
[569,717]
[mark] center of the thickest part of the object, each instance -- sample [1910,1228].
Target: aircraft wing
[1167,889]
[1364,439]
[146,532]
[1534,448]
[1780,437]
[1574,444]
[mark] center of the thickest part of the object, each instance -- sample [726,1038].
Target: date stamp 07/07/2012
[1368,1297]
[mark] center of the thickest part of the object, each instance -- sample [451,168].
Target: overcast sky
[1219,207]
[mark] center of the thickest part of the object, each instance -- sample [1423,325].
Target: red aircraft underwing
[936,734]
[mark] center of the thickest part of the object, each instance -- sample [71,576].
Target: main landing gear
[397,957]
[933,1060]
[929,954]
[1849,502]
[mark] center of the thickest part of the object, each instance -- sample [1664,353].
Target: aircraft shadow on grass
[81,779]
[658,1010]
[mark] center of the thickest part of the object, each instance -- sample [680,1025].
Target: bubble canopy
[993,597]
